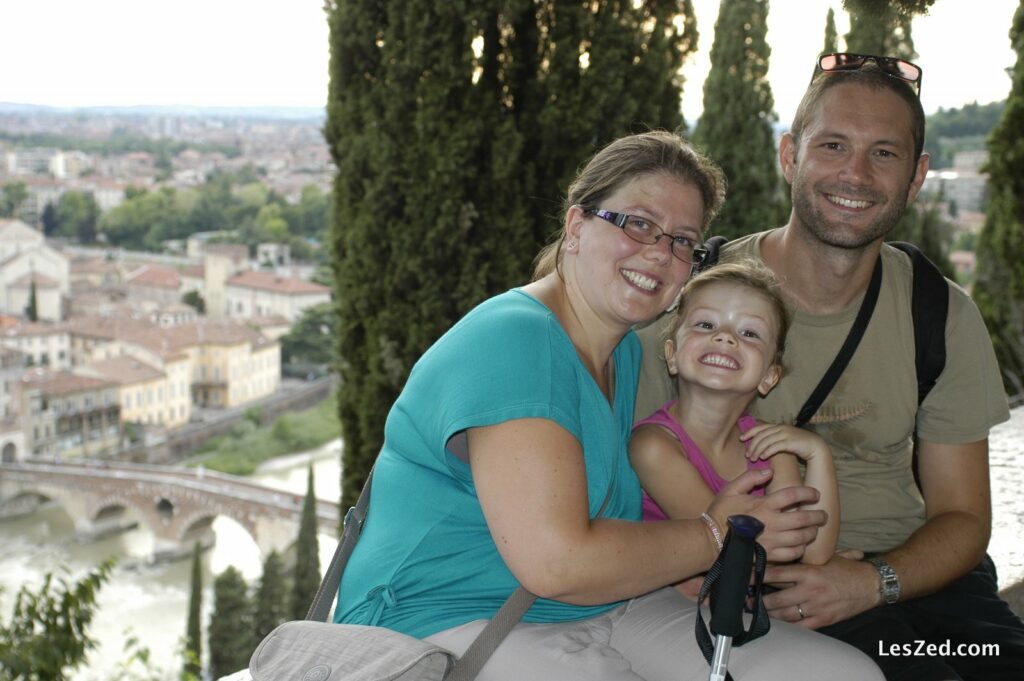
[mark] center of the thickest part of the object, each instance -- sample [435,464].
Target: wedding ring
[800,611]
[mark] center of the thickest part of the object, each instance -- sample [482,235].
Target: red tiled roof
[31,329]
[268,281]
[155,275]
[57,383]
[124,370]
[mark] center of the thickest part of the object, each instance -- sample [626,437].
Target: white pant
[651,638]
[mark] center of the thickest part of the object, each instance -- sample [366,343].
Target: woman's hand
[788,529]
[765,440]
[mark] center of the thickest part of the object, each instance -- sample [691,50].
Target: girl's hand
[765,440]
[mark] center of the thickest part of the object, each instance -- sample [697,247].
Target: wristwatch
[890,584]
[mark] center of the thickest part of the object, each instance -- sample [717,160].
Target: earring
[570,245]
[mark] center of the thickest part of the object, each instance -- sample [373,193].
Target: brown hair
[625,159]
[748,273]
[871,76]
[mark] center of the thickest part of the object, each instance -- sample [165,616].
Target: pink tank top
[715,482]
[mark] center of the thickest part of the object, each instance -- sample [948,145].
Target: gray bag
[316,650]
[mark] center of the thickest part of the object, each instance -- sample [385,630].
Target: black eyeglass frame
[890,66]
[621,220]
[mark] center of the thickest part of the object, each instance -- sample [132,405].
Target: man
[854,160]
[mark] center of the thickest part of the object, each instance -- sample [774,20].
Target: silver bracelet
[713,526]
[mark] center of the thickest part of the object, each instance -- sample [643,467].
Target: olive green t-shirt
[868,419]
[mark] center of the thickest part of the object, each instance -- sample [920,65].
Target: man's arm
[952,541]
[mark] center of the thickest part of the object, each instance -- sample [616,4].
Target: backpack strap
[712,246]
[930,308]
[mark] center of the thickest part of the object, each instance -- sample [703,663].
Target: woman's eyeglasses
[891,66]
[648,232]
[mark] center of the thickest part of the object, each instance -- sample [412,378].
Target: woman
[505,459]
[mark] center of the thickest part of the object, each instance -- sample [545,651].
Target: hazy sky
[274,52]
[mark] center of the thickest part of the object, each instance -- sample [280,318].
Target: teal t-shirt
[426,560]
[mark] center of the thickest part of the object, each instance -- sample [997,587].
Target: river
[147,601]
[151,601]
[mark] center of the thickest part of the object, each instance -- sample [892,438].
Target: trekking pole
[730,593]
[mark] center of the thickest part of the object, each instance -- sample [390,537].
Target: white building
[261,294]
[45,345]
[24,258]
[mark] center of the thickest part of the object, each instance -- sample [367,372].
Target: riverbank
[248,445]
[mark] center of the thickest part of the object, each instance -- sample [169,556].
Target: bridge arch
[9,453]
[174,503]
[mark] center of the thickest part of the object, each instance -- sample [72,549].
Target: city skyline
[274,53]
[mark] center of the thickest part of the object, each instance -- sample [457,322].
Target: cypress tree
[32,309]
[231,638]
[194,630]
[999,290]
[306,576]
[831,37]
[882,27]
[271,602]
[736,126]
[455,128]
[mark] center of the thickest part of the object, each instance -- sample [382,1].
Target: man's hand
[825,594]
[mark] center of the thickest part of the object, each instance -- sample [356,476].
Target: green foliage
[236,200]
[49,220]
[254,415]
[12,195]
[195,299]
[313,338]
[194,629]
[736,126]
[452,160]
[831,36]
[903,7]
[291,432]
[270,607]
[47,635]
[999,290]
[76,216]
[883,27]
[306,576]
[231,637]
[924,226]
[120,141]
[960,129]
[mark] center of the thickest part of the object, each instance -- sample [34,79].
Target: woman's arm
[666,474]
[531,481]
[785,444]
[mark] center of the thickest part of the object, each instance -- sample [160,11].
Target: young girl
[725,347]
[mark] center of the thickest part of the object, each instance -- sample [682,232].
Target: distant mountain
[257,112]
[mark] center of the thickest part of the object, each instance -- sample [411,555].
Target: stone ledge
[1014,595]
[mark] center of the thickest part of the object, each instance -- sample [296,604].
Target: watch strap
[889,586]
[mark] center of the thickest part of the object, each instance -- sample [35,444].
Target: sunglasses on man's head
[891,66]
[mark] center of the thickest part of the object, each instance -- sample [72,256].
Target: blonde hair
[748,273]
[624,160]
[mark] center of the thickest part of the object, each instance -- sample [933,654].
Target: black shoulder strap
[930,308]
[835,370]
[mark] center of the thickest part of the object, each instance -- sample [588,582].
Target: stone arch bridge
[176,504]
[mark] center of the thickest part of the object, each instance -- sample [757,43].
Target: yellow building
[67,415]
[147,395]
[231,364]
[224,363]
